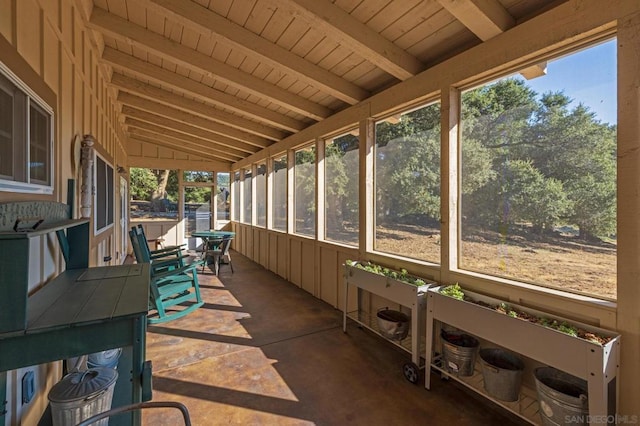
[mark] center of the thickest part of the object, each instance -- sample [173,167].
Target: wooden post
[87,188]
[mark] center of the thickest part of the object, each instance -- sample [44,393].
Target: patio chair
[165,252]
[138,406]
[219,253]
[170,283]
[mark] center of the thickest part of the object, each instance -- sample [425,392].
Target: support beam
[159,75]
[486,19]
[186,128]
[193,143]
[208,23]
[348,31]
[121,29]
[172,163]
[144,126]
[186,149]
[194,120]
[137,87]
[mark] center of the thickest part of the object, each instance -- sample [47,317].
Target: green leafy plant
[562,326]
[402,275]
[453,291]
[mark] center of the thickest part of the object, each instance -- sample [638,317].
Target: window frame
[110,195]
[21,180]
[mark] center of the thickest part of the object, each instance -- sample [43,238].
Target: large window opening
[223,203]
[279,197]
[247,200]
[407,184]
[341,195]
[154,193]
[538,176]
[261,195]
[305,191]
[235,196]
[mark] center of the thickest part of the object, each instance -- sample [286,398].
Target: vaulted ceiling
[223,79]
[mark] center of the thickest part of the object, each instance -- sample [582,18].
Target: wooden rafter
[194,120]
[121,29]
[137,87]
[486,19]
[180,143]
[210,24]
[186,150]
[175,136]
[348,31]
[159,75]
[186,129]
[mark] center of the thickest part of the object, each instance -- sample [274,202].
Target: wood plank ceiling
[227,78]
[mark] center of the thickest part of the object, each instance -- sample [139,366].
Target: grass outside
[560,260]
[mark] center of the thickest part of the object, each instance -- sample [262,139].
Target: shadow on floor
[265,352]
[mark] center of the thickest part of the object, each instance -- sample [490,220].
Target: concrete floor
[262,351]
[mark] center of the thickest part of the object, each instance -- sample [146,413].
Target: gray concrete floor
[262,351]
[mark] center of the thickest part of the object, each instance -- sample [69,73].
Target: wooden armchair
[172,282]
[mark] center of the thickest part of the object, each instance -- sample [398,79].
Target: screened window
[197,176]
[279,197]
[341,165]
[261,195]
[539,175]
[407,184]
[235,196]
[25,139]
[223,200]
[304,192]
[104,204]
[154,193]
[247,206]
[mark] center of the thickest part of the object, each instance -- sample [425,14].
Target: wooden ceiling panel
[234,76]
[118,7]
[278,23]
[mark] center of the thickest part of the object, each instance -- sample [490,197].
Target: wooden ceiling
[224,79]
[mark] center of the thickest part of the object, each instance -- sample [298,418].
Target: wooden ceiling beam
[194,120]
[137,87]
[208,23]
[340,26]
[186,150]
[187,129]
[179,143]
[162,76]
[147,128]
[121,29]
[486,19]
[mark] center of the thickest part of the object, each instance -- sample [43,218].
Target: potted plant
[581,350]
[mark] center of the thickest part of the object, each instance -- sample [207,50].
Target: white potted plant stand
[400,292]
[595,363]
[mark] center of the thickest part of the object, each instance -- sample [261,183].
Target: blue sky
[588,76]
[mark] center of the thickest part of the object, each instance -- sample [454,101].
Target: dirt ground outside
[559,261]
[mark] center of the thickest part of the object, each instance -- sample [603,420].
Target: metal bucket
[561,397]
[108,358]
[393,324]
[459,353]
[80,395]
[502,373]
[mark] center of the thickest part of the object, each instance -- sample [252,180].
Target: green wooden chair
[172,282]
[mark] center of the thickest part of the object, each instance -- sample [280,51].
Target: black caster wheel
[411,372]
